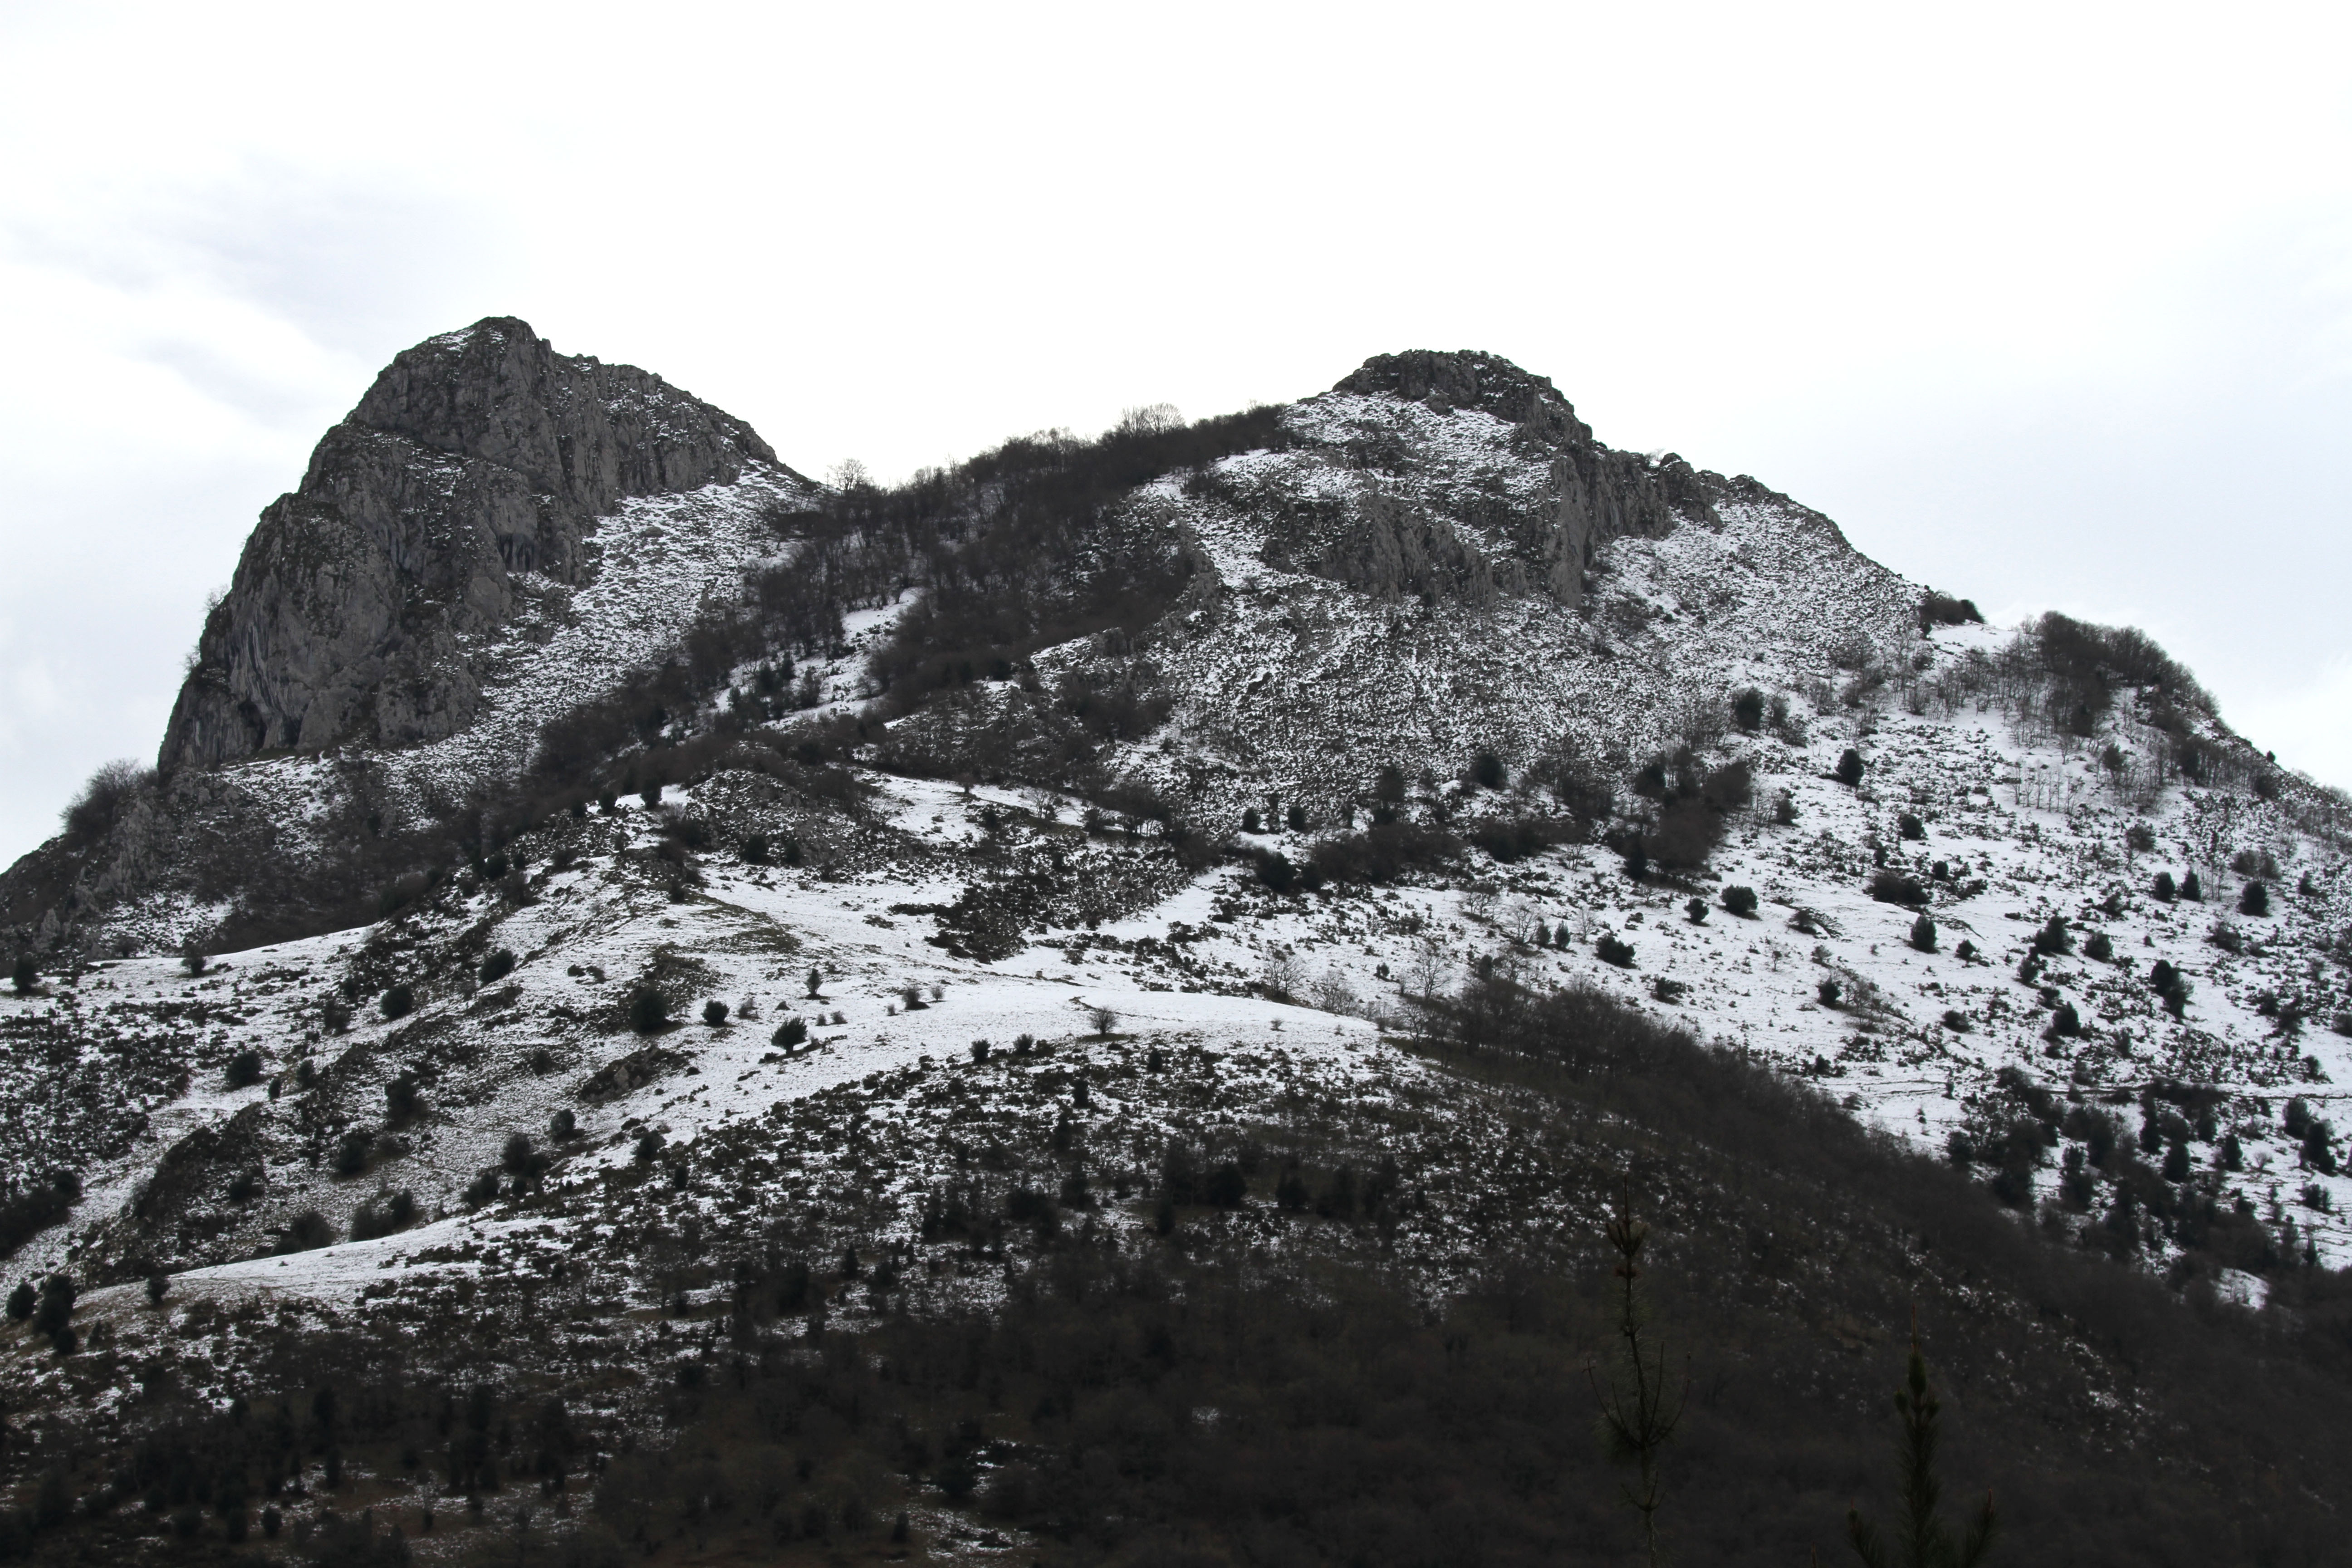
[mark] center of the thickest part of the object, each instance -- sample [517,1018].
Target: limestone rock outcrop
[1595,494]
[477,458]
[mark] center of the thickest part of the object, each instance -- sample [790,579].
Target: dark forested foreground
[1193,1398]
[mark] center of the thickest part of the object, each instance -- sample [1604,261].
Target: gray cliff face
[1595,494]
[476,458]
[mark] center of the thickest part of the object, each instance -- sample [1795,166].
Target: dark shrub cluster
[383,1214]
[1384,852]
[1940,610]
[1889,886]
[103,801]
[1024,546]
[2084,663]
[37,1206]
[1692,805]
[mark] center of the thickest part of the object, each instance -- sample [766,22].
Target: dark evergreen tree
[1640,1408]
[55,1307]
[1922,1540]
[2176,1161]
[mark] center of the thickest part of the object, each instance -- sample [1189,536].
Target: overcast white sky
[2048,305]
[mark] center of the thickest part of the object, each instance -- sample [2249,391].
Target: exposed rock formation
[476,458]
[1595,494]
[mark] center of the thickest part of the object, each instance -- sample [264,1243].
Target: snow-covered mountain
[566,790]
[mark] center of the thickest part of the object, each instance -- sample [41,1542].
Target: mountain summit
[477,458]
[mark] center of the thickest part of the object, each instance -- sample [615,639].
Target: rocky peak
[477,458]
[1589,494]
[587,432]
[1468,378]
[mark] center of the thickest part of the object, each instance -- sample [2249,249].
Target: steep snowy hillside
[1196,844]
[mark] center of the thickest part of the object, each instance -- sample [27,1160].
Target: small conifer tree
[1923,933]
[1850,767]
[1922,1540]
[1639,1408]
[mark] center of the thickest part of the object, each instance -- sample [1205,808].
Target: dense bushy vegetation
[26,1213]
[1028,544]
[103,801]
[1941,609]
[2085,663]
[1691,804]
